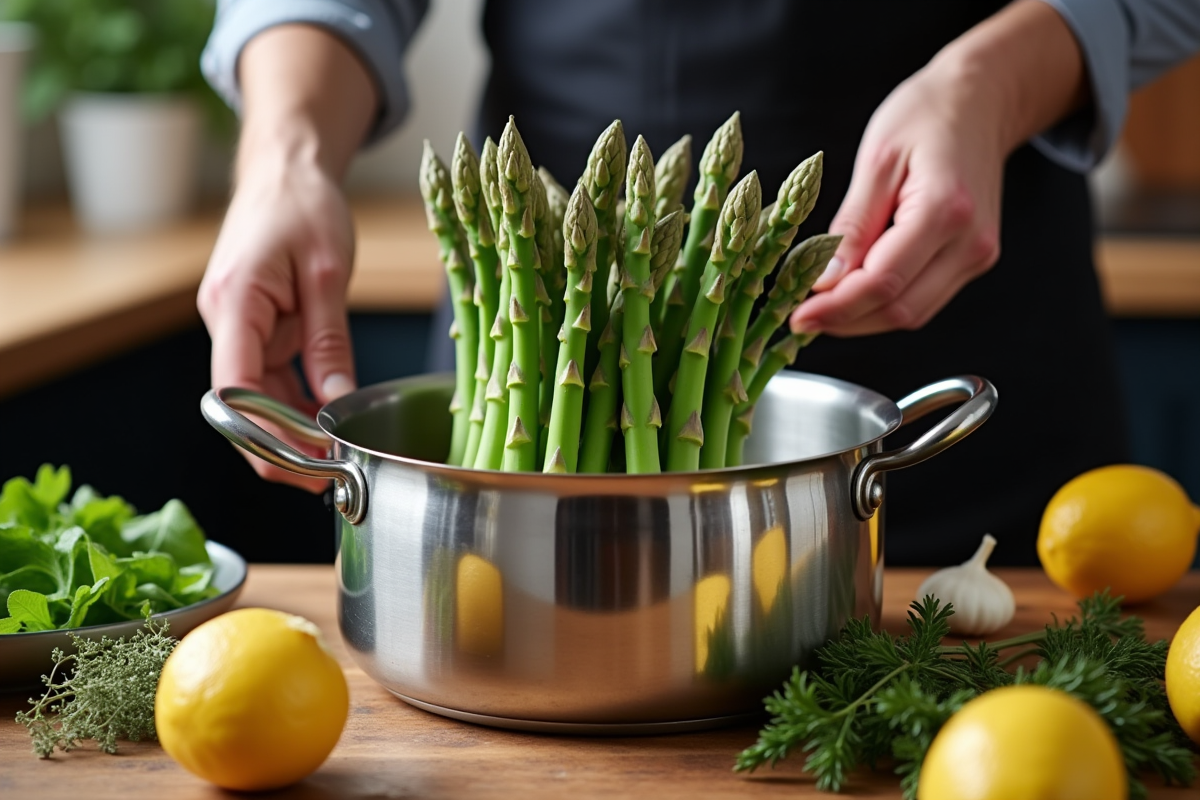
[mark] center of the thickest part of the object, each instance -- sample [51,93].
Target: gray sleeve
[377,30]
[1126,44]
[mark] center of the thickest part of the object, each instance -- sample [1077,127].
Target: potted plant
[125,78]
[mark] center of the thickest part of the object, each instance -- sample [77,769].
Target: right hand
[275,288]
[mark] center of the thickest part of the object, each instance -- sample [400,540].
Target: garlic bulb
[982,602]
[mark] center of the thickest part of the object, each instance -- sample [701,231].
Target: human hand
[930,161]
[275,288]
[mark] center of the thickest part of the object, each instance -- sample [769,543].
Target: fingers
[327,354]
[865,211]
[921,299]
[930,217]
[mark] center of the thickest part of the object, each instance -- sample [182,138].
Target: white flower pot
[16,40]
[131,159]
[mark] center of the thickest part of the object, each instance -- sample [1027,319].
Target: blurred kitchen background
[102,356]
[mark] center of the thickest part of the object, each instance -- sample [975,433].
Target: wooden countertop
[68,299]
[390,749]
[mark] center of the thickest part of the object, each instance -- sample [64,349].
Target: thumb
[327,353]
[865,211]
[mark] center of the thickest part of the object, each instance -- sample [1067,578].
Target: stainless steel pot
[602,603]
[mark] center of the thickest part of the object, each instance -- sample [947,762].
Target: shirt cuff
[366,26]
[1081,140]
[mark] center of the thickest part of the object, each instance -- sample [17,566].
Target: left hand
[931,161]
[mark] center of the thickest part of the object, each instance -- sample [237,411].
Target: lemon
[1025,742]
[251,700]
[1128,528]
[1183,676]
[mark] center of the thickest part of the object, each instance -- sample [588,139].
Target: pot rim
[342,409]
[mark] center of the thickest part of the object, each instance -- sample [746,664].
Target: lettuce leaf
[93,560]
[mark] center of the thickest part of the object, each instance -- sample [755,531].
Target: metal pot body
[605,603]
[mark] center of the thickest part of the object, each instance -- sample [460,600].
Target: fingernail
[833,273]
[336,385]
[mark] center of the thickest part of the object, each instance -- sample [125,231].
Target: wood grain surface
[390,750]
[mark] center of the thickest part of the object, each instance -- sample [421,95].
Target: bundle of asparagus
[577,316]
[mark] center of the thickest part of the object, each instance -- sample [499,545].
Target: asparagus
[800,270]
[547,266]
[437,191]
[481,242]
[723,388]
[780,355]
[566,411]
[517,180]
[664,246]
[719,165]
[737,223]
[604,389]
[603,178]
[670,180]
[491,444]
[640,414]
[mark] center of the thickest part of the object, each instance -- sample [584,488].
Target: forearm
[307,99]
[1024,60]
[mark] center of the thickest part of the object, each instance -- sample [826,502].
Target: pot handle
[221,406]
[978,397]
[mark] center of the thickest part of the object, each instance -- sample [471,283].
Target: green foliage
[874,696]
[113,46]
[104,691]
[92,560]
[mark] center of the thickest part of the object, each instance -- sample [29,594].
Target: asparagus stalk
[517,180]
[476,221]
[491,443]
[800,270]
[547,266]
[640,414]
[437,191]
[664,246]
[604,389]
[737,223]
[603,178]
[719,165]
[780,355]
[723,388]
[670,180]
[566,411]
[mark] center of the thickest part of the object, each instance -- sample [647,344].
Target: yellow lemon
[1026,742]
[479,612]
[1183,675]
[251,700]
[1128,528]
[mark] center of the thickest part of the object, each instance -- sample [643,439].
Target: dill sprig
[103,691]
[873,696]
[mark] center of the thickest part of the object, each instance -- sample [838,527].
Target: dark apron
[806,77]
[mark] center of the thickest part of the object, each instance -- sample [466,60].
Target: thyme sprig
[874,696]
[103,691]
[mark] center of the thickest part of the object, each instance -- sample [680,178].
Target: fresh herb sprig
[874,696]
[103,691]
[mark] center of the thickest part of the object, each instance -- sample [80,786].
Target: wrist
[1022,70]
[281,146]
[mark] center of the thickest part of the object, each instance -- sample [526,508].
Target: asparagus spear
[437,191]
[546,269]
[737,223]
[640,414]
[604,389]
[723,387]
[566,411]
[491,443]
[481,242]
[719,165]
[780,355]
[664,246]
[603,178]
[670,179]
[517,180]
[800,270]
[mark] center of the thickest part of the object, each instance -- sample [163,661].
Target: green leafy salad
[92,560]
